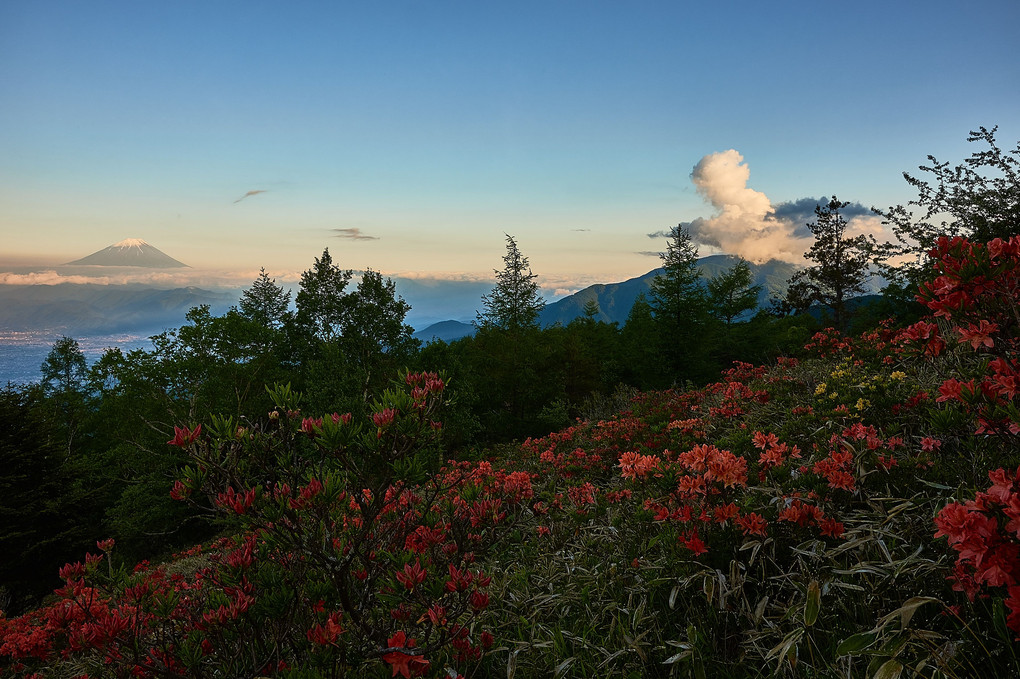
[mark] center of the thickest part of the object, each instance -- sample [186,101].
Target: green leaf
[999,619]
[890,669]
[813,604]
[855,643]
[907,610]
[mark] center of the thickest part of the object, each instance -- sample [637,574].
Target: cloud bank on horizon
[747,224]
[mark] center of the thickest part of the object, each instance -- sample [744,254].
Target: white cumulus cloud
[746,223]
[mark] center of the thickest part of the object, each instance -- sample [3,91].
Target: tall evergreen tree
[680,307]
[508,351]
[731,293]
[677,295]
[642,346]
[841,268]
[514,303]
[40,512]
[265,302]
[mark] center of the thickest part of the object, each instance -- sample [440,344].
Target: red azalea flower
[404,664]
[184,436]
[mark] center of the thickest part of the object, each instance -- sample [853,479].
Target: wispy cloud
[353,234]
[580,229]
[254,192]
[650,253]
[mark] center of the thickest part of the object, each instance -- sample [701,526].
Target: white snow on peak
[130,243]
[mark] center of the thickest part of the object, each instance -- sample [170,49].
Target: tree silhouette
[730,293]
[64,373]
[321,303]
[265,302]
[680,307]
[514,303]
[978,199]
[841,265]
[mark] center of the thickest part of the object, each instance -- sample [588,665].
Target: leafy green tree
[351,342]
[515,302]
[841,268]
[65,367]
[375,338]
[141,396]
[210,364]
[321,303]
[40,511]
[215,364]
[64,373]
[978,199]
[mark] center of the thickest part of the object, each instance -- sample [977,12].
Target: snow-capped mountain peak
[131,243]
[130,252]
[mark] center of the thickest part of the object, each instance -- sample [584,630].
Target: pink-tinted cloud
[746,223]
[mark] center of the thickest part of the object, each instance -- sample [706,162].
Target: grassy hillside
[855,513]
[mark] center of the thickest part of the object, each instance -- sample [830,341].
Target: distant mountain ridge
[130,252]
[616,299]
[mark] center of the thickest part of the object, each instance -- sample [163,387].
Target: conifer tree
[680,307]
[731,293]
[841,265]
[64,369]
[265,302]
[641,345]
[511,350]
[677,295]
[514,303]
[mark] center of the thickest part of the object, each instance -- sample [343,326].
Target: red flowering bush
[976,291]
[778,521]
[985,532]
[352,546]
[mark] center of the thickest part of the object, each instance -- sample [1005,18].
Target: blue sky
[409,136]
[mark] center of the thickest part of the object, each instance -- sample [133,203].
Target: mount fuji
[130,252]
